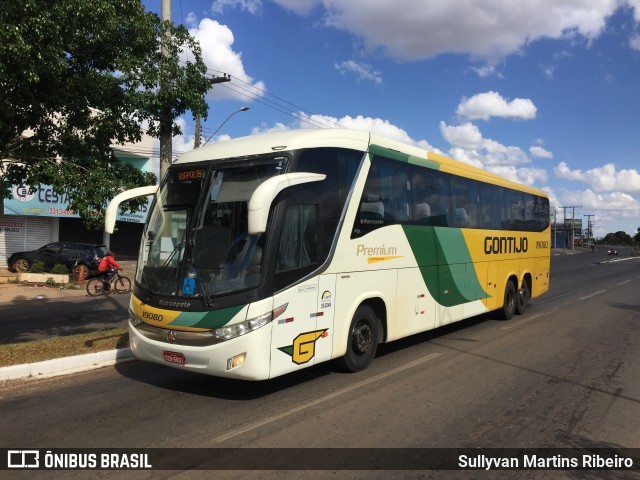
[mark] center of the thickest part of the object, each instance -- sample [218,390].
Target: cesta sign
[43,201]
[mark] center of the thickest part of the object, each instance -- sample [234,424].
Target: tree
[79,76]
[618,238]
[636,237]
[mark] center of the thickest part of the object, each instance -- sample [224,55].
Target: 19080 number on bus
[156,317]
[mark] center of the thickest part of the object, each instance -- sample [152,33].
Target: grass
[58,347]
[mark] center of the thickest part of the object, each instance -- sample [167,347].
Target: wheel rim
[81,273]
[95,288]
[362,337]
[21,265]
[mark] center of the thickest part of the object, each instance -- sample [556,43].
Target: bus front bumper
[245,357]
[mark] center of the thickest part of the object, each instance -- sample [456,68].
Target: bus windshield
[196,240]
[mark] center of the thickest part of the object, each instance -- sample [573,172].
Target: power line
[270,94]
[282,109]
[263,97]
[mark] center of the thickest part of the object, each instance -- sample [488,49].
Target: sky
[542,92]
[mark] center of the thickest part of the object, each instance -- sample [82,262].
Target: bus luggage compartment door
[296,336]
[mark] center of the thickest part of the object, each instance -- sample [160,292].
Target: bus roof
[268,143]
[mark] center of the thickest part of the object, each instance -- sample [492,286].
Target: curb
[67,365]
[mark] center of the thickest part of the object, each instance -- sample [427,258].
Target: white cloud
[264,128]
[622,203]
[634,42]
[251,6]
[216,41]
[603,179]
[526,176]
[362,71]
[612,211]
[466,136]
[469,146]
[635,4]
[538,151]
[301,7]
[378,126]
[182,143]
[493,29]
[491,104]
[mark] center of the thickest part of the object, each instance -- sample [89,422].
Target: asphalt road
[26,319]
[565,374]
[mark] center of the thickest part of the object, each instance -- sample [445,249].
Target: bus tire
[363,340]
[522,297]
[509,305]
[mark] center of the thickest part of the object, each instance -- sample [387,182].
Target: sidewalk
[17,294]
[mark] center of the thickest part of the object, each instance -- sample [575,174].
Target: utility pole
[225,78]
[589,234]
[166,136]
[573,216]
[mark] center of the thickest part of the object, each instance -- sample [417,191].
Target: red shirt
[107,263]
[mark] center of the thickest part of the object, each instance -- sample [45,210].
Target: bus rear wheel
[509,305]
[363,340]
[522,298]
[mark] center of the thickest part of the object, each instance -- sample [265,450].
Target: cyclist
[107,268]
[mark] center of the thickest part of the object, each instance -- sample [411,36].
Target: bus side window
[490,206]
[425,202]
[465,197]
[514,210]
[299,239]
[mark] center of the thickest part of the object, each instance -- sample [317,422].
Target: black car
[612,251]
[81,259]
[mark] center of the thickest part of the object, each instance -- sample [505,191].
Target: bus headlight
[133,318]
[232,331]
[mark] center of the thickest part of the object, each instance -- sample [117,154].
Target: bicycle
[119,284]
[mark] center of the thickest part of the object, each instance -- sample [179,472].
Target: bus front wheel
[363,340]
[509,305]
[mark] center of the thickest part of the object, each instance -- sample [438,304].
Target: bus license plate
[174,357]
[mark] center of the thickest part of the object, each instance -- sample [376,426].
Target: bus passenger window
[299,238]
[372,207]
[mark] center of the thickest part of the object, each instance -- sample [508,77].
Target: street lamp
[243,109]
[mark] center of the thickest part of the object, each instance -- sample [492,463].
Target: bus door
[301,330]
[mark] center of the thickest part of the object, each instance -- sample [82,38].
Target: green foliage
[617,238]
[50,281]
[37,267]
[81,76]
[60,269]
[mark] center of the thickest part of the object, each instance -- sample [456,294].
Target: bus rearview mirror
[262,198]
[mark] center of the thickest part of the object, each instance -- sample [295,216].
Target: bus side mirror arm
[112,209]
[260,202]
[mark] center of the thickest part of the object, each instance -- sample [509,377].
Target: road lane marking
[337,393]
[622,283]
[592,294]
[520,322]
[617,260]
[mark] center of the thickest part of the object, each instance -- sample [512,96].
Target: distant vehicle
[612,251]
[81,259]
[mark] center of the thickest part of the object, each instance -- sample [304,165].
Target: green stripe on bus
[209,320]
[402,157]
[445,264]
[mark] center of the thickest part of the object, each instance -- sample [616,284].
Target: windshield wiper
[202,287]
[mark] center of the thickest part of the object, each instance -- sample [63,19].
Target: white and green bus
[267,254]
